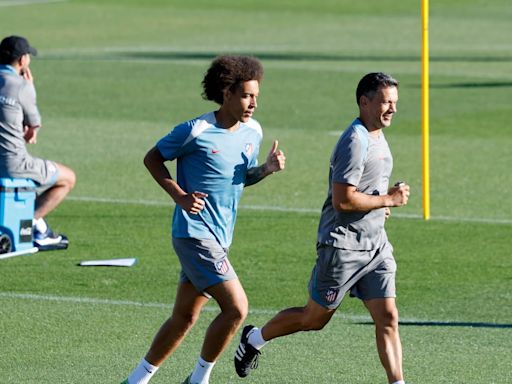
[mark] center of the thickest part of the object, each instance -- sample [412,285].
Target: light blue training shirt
[212,160]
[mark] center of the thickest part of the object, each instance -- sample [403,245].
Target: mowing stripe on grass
[360,319]
[129,303]
[28,2]
[483,220]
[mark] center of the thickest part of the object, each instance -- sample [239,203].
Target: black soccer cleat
[246,356]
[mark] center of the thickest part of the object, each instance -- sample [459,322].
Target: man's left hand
[275,159]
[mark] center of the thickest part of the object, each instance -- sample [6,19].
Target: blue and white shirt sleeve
[175,143]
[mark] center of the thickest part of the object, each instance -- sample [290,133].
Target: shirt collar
[8,68]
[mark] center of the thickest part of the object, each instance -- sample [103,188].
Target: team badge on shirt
[222,266]
[249,149]
[331,295]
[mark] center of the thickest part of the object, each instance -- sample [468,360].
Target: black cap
[13,47]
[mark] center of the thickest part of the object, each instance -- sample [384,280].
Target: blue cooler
[17,201]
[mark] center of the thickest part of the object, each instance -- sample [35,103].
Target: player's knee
[70,179]
[387,319]
[67,177]
[237,313]
[243,313]
[73,179]
[187,319]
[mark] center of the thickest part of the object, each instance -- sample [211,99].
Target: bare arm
[190,202]
[275,162]
[346,198]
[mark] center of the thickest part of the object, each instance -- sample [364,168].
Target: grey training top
[365,162]
[17,109]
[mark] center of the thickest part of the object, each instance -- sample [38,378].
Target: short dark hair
[372,82]
[227,72]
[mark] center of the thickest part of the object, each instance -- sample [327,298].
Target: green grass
[113,77]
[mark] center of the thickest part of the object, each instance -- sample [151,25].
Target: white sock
[399,382]
[143,373]
[256,339]
[201,374]
[40,225]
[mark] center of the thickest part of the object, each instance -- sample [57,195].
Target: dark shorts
[204,262]
[367,274]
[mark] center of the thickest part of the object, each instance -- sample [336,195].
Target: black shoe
[246,356]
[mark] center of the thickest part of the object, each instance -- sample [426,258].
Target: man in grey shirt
[20,122]
[353,252]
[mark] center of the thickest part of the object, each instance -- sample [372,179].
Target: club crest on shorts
[249,149]
[222,266]
[331,295]
[52,169]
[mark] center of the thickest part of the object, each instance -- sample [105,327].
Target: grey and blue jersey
[365,162]
[212,160]
[17,109]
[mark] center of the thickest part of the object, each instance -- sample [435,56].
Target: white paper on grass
[18,253]
[109,263]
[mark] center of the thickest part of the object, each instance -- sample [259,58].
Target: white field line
[272,208]
[28,2]
[211,309]
[128,303]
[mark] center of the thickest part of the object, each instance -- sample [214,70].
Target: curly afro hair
[226,73]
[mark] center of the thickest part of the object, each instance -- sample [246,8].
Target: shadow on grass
[288,56]
[447,324]
[490,84]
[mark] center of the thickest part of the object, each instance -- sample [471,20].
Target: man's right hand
[27,74]
[399,194]
[192,202]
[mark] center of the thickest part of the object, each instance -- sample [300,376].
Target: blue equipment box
[17,201]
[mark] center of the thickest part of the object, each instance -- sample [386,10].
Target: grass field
[114,76]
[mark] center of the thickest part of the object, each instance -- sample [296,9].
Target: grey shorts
[204,262]
[43,172]
[367,274]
